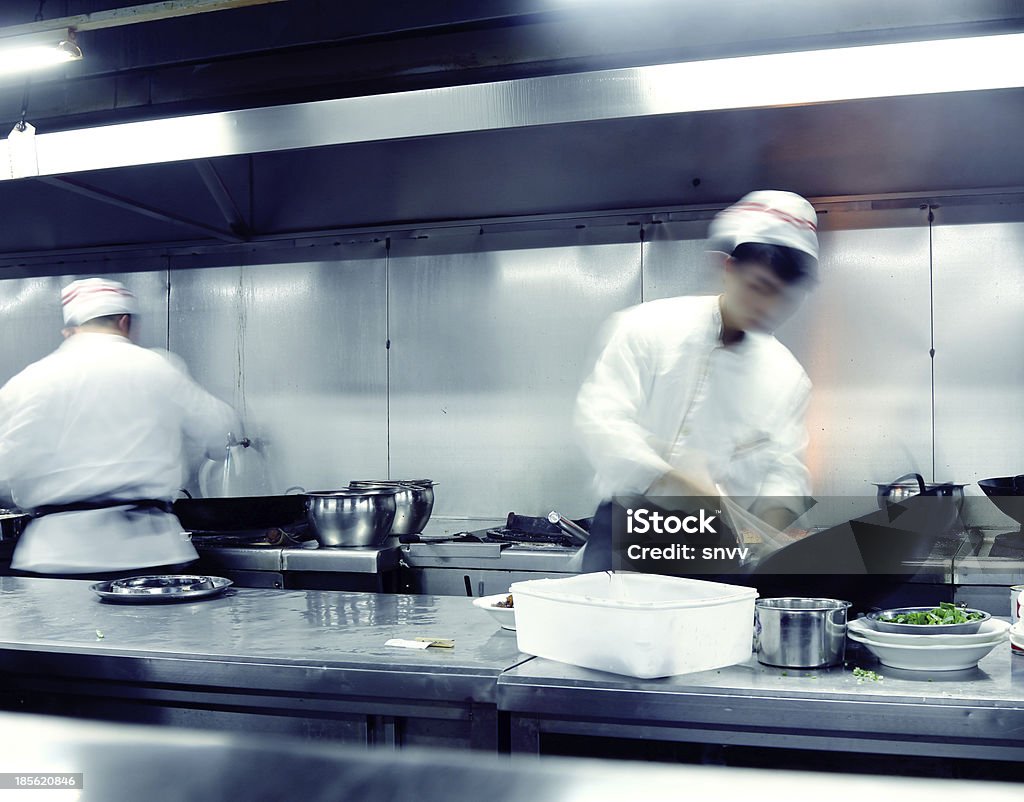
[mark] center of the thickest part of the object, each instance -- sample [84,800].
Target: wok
[1007,493]
[868,560]
[241,513]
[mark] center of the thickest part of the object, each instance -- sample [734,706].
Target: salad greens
[945,613]
[862,674]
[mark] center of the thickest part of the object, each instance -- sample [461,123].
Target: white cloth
[665,388]
[87,298]
[102,418]
[769,217]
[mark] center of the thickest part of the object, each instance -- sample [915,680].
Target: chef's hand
[687,483]
[778,517]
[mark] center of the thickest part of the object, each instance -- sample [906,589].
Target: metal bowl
[162,584]
[414,502]
[353,517]
[966,628]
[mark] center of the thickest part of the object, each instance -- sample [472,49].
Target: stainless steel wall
[979,368]
[488,350]
[300,351]
[491,335]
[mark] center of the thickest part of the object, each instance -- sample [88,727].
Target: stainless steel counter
[159,764]
[307,655]
[973,713]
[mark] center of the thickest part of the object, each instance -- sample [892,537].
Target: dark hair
[789,264]
[108,321]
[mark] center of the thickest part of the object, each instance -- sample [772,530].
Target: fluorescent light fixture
[845,73]
[38,51]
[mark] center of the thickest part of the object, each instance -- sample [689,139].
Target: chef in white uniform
[694,396]
[92,443]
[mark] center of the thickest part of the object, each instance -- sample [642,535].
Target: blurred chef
[91,443]
[694,396]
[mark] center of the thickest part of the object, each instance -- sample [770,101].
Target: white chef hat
[769,217]
[89,298]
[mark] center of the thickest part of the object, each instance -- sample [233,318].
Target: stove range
[486,561]
[1008,544]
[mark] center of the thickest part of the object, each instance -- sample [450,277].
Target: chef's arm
[787,484]
[607,413]
[207,421]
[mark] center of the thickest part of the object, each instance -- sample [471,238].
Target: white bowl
[506,616]
[940,657]
[991,630]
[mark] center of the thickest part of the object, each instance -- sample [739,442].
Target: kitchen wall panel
[491,336]
[488,351]
[300,351]
[31,315]
[979,369]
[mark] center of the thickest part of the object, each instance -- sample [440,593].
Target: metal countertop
[134,762]
[753,702]
[306,641]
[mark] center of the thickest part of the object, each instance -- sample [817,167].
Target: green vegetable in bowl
[945,613]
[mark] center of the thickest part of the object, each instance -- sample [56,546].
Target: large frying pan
[867,560]
[242,513]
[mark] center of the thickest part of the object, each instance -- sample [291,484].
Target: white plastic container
[640,625]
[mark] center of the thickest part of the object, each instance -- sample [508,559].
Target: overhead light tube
[19,54]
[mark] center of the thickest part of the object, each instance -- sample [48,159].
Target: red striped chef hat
[769,217]
[88,298]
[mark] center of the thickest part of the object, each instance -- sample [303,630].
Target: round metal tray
[157,589]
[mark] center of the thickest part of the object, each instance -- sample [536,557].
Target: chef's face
[758,300]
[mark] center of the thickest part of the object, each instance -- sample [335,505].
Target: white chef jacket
[102,418]
[665,387]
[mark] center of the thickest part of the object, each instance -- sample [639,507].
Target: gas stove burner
[1008,544]
[506,535]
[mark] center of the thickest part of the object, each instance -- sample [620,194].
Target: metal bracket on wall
[221,196]
[139,208]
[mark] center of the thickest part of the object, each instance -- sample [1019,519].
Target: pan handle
[905,477]
[571,528]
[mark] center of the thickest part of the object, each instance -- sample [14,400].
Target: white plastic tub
[640,625]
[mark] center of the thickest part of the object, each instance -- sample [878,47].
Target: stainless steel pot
[935,509]
[351,517]
[913,484]
[414,502]
[799,632]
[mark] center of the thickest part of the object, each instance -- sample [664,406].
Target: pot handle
[300,491]
[905,477]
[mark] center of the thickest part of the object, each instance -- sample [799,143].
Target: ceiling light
[38,51]
[845,73]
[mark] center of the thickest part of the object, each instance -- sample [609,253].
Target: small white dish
[506,616]
[940,657]
[993,629]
